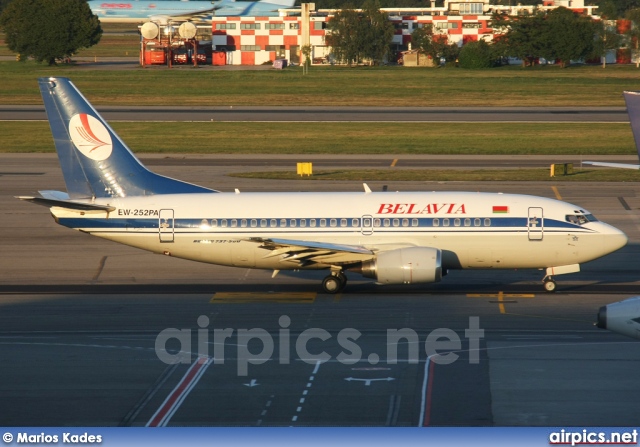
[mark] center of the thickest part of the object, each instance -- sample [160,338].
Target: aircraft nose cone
[617,240]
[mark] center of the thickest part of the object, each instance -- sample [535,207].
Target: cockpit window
[580,219]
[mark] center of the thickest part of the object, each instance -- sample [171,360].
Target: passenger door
[535,224]
[166,226]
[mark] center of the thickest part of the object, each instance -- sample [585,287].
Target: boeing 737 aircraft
[394,238]
[164,10]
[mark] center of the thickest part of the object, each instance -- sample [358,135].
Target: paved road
[342,114]
[83,324]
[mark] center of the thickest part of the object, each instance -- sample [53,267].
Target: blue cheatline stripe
[503,224]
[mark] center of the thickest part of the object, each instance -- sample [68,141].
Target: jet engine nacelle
[413,265]
[622,317]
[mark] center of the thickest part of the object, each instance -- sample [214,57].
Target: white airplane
[394,238]
[623,317]
[165,10]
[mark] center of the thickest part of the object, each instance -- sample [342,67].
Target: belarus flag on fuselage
[500,209]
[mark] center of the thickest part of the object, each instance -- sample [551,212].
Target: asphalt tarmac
[338,114]
[86,339]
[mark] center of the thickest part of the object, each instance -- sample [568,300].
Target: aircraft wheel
[343,280]
[333,284]
[550,285]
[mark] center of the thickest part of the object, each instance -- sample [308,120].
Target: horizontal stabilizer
[69,204]
[54,195]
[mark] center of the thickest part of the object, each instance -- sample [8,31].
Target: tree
[478,54]
[425,40]
[378,32]
[355,35]
[343,35]
[3,4]
[49,29]
[434,45]
[306,52]
[607,39]
[567,36]
[614,9]
[523,37]
[634,34]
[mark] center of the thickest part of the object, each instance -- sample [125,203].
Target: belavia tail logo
[90,137]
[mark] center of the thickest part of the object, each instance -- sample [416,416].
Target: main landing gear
[549,284]
[335,282]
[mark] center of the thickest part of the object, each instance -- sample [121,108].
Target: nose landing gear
[549,284]
[335,282]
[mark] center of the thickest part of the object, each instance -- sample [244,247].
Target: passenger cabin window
[436,222]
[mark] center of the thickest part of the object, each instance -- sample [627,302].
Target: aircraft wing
[196,15]
[611,165]
[310,252]
[203,15]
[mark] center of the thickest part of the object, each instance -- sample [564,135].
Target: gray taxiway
[80,319]
[338,114]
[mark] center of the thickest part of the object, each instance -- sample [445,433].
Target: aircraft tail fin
[95,162]
[632,99]
[633,109]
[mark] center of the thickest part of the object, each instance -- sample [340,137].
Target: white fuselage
[473,230]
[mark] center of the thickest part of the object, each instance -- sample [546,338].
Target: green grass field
[325,85]
[332,86]
[347,138]
[586,174]
[513,86]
